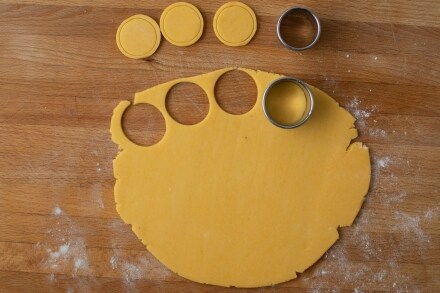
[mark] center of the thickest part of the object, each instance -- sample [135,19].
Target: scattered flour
[354,103]
[54,256]
[96,192]
[380,276]
[394,198]
[361,115]
[134,268]
[431,213]
[57,211]
[132,271]
[371,249]
[98,167]
[69,255]
[384,162]
[376,132]
[113,262]
[379,165]
[411,225]
[81,263]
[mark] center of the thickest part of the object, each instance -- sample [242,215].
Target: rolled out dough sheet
[234,200]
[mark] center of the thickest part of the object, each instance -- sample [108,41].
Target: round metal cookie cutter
[309,102]
[315,22]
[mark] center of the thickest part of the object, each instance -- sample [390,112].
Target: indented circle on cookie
[288,102]
[138,36]
[181,24]
[235,24]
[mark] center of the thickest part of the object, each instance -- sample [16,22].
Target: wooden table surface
[61,75]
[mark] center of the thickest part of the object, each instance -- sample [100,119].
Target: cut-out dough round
[235,200]
[181,24]
[235,24]
[138,36]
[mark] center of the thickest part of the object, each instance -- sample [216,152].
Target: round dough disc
[235,200]
[235,24]
[138,36]
[181,24]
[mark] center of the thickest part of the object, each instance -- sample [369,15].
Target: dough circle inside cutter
[288,102]
[235,200]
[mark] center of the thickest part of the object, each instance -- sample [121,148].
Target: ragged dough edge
[351,147]
[118,137]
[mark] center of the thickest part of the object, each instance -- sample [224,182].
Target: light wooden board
[61,75]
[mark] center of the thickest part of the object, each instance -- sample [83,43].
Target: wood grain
[62,75]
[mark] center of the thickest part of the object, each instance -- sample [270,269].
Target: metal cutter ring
[309,102]
[316,24]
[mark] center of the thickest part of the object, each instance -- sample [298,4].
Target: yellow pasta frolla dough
[235,24]
[286,103]
[181,24]
[235,200]
[138,36]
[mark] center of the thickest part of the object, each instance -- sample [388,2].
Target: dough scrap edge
[351,146]
[117,132]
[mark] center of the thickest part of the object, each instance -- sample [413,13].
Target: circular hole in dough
[235,24]
[298,28]
[286,102]
[236,92]
[138,36]
[143,124]
[187,103]
[181,24]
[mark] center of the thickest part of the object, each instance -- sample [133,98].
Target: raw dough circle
[235,24]
[286,103]
[138,36]
[235,200]
[181,24]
